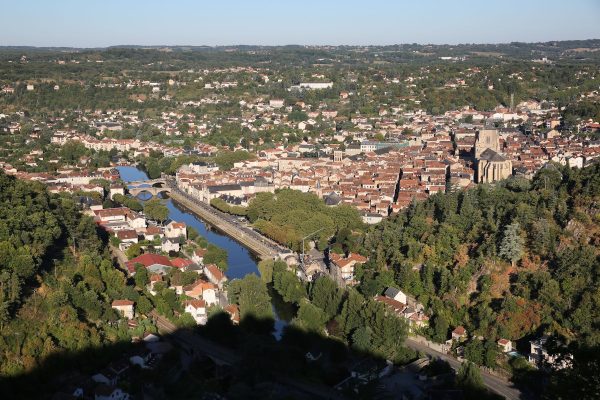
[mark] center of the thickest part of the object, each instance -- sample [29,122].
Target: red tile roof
[181,262]
[120,303]
[215,272]
[147,260]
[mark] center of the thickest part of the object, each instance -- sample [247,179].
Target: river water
[240,260]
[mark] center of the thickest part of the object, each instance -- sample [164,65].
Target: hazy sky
[97,23]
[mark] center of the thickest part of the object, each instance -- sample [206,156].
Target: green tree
[326,295]
[156,210]
[133,251]
[310,317]
[469,377]
[141,276]
[512,244]
[474,351]
[439,328]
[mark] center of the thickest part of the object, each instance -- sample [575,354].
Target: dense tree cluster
[289,215]
[511,260]
[57,282]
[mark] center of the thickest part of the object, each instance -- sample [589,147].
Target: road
[498,385]
[229,224]
[224,356]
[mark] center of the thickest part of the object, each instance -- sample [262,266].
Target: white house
[125,307]
[396,294]
[168,245]
[215,275]
[175,230]
[197,309]
[116,189]
[505,345]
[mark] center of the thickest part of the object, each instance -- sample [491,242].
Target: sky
[101,23]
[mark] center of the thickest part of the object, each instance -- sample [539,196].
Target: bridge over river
[153,187]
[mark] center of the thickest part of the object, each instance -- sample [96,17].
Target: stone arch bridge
[154,187]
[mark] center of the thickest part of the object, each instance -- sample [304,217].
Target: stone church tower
[491,165]
[486,139]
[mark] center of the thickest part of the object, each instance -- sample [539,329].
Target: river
[240,260]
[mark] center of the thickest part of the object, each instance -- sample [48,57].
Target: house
[127,236]
[141,358]
[197,309]
[202,290]
[154,263]
[168,245]
[459,333]
[153,232]
[371,218]
[181,263]
[540,356]
[175,230]
[505,345]
[344,266]
[215,275]
[198,256]
[106,392]
[234,313]
[154,279]
[105,377]
[396,294]
[116,189]
[125,307]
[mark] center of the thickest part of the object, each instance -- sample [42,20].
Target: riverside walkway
[231,226]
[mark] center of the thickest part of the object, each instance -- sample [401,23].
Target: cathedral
[491,165]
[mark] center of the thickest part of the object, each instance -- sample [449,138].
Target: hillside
[56,285]
[510,261]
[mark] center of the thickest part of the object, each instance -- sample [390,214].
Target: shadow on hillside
[244,362]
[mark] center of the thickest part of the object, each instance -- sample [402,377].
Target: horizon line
[289,44]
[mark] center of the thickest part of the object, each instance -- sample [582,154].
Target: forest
[57,283]
[515,260]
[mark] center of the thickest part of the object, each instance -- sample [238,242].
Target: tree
[352,307]
[133,251]
[144,306]
[326,295]
[512,244]
[474,351]
[310,317]
[361,339]
[469,376]
[253,298]
[265,267]
[288,285]
[490,354]
[141,276]
[155,210]
[439,328]
[152,168]
[216,255]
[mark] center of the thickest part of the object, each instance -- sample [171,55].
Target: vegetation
[156,210]
[57,283]
[289,215]
[510,261]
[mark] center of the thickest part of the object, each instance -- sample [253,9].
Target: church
[491,165]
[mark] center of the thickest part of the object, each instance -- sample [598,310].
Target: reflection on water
[240,260]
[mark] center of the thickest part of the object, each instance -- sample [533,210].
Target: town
[417,215]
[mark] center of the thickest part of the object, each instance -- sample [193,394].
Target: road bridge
[153,187]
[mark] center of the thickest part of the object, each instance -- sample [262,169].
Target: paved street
[498,385]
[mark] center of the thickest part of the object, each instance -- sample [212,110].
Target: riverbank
[240,260]
[259,248]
